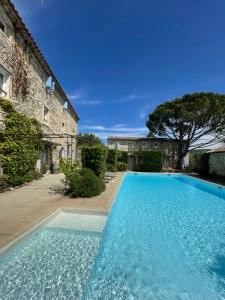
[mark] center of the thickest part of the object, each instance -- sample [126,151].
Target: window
[46,113]
[156,145]
[63,124]
[65,105]
[4,82]
[2,26]
[1,81]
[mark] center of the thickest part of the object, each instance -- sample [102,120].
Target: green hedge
[94,158]
[19,145]
[199,162]
[84,183]
[149,161]
[111,160]
[122,166]
[112,156]
[111,168]
[123,157]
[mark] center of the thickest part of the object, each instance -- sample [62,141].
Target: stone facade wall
[6,41]
[168,148]
[59,120]
[217,163]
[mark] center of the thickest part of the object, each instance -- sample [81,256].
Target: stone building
[28,81]
[217,162]
[133,144]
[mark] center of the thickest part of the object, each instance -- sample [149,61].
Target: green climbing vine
[19,146]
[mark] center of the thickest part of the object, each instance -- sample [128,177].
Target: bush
[67,166]
[110,168]
[111,159]
[3,184]
[149,161]
[138,167]
[6,105]
[199,162]
[122,166]
[19,148]
[123,157]
[84,183]
[94,158]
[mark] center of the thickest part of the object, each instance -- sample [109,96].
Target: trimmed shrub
[123,157]
[122,166]
[149,161]
[110,168]
[94,158]
[84,183]
[111,159]
[199,162]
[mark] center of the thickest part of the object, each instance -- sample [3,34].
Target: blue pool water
[54,261]
[165,239]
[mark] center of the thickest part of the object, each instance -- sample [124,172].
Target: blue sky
[117,60]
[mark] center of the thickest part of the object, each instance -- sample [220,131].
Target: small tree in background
[194,121]
[122,163]
[111,160]
[88,139]
[123,157]
[94,158]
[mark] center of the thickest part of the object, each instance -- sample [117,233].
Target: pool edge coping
[220,186]
[116,193]
[95,211]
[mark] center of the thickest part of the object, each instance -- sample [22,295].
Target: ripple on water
[53,264]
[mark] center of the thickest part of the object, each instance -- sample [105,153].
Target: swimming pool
[54,261]
[164,239]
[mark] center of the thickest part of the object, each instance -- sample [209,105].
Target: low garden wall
[217,164]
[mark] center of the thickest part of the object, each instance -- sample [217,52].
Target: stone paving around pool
[24,207]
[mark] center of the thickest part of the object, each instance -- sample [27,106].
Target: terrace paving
[24,207]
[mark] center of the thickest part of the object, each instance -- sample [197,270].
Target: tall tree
[88,139]
[195,121]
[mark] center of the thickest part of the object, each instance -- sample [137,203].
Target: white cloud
[119,125]
[88,102]
[145,111]
[114,129]
[131,97]
[80,97]
[142,115]
[80,93]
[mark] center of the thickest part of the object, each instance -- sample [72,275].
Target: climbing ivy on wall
[19,144]
[20,82]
